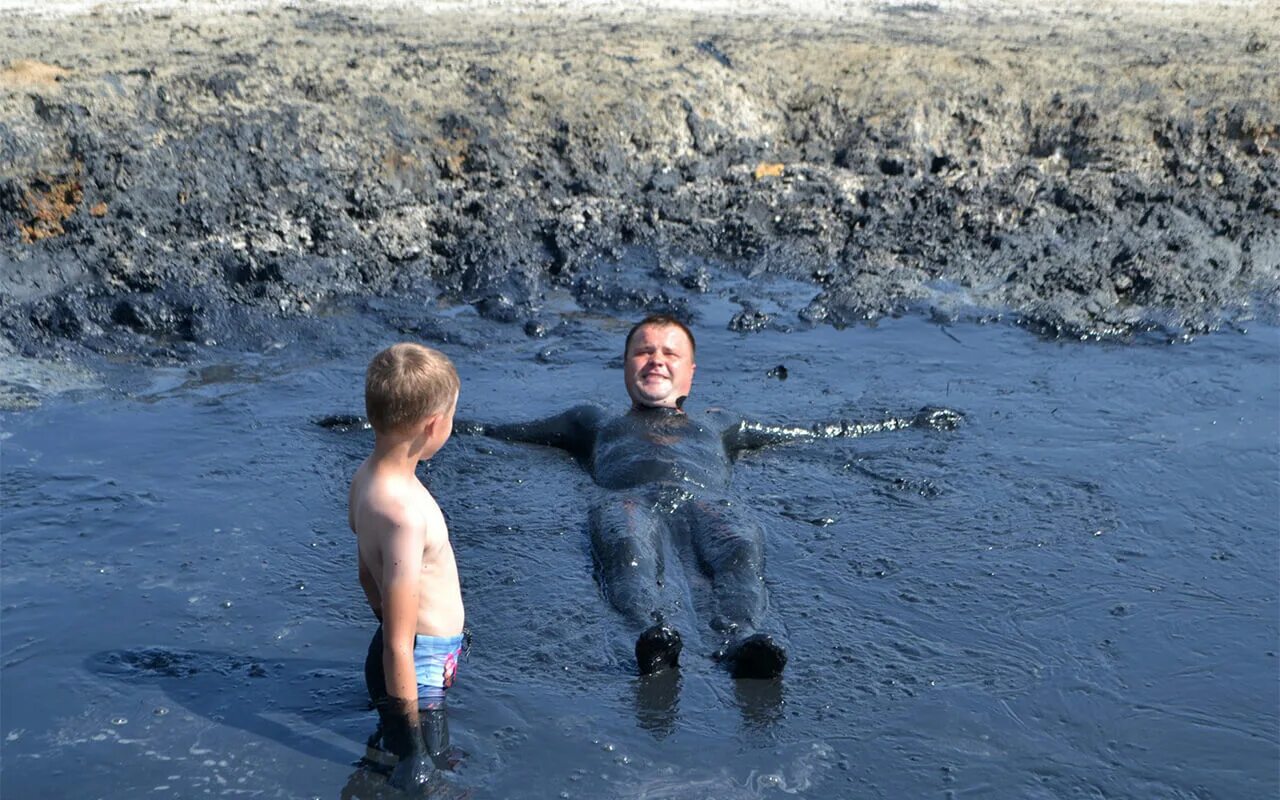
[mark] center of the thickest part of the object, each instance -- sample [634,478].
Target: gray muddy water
[1072,595]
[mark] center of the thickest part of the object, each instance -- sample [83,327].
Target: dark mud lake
[1074,594]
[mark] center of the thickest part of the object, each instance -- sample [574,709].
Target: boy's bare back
[403,545]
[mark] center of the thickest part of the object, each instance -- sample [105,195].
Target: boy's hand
[412,774]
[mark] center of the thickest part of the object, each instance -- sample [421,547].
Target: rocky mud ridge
[1087,169]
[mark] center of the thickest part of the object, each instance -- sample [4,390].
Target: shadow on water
[230,689]
[235,690]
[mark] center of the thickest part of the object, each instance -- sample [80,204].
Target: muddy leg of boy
[398,735]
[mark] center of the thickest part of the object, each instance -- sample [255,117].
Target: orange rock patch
[25,73]
[766,169]
[48,203]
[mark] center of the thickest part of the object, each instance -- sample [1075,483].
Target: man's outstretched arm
[747,435]
[573,430]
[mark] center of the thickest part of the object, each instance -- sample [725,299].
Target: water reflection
[369,782]
[657,702]
[760,703]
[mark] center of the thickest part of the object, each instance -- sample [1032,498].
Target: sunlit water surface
[1073,595]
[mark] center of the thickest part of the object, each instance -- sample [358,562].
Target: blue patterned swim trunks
[435,662]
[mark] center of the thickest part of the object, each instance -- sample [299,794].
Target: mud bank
[171,176]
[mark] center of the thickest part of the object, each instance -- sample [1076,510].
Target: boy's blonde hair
[406,383]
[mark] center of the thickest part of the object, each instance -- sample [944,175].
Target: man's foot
[757,656]
[658,648]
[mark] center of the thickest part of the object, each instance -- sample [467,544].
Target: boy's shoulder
[381,501]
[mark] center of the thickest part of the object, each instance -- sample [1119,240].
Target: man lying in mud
[668,473]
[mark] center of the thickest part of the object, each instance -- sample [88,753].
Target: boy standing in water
[406,563]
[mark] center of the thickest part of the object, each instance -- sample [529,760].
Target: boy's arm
[402,559]
[747,435]
[401,582]
[573,430]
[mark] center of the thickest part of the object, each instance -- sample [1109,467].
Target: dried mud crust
[1093,169]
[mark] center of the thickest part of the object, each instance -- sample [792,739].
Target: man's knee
[737,551]
[625,552]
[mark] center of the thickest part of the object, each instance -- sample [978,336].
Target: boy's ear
[430,423]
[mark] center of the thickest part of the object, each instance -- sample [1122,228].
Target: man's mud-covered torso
[654,445]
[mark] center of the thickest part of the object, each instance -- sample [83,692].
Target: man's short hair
[662,321]
[406,383]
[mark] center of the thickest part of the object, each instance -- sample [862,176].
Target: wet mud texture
[169,178]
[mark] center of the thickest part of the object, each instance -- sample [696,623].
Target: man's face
[658,369]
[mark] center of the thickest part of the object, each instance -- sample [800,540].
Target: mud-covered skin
[669,472]
[418,737]
[179,176]
[667,446]
[659,445]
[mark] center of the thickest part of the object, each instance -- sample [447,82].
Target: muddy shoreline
[175,176]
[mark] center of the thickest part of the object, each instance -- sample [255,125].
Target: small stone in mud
[552,355]
[749,320]
[498,307]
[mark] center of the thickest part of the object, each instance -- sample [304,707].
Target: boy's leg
[435,661]
[394,728]
[730,547]
[626,541]
[422,743]
[395,732]
[435,734]
[375,680]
